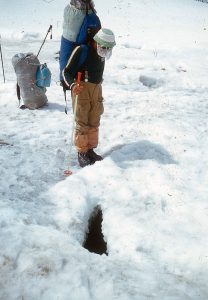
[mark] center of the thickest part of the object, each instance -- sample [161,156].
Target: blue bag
[65,52]
[43,76]
[90,21]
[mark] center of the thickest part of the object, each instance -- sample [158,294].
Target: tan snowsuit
[88,112]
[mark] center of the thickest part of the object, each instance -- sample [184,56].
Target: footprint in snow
[150,81]
[132,46]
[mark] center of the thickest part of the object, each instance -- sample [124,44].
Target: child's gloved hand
[76,89]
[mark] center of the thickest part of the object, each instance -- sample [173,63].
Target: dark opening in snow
[94,238]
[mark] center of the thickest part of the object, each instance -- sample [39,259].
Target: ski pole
[2,63]
[68,172]
[66,106]
[49,29]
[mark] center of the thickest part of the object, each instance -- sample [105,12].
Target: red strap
[79,77]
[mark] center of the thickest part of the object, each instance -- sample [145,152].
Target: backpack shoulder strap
[83,55]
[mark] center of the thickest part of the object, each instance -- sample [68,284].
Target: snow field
[151,185]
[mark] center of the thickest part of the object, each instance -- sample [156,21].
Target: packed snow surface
[152,184]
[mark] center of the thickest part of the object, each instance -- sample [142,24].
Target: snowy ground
[152,183]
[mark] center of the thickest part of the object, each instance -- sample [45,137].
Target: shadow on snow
[142,150]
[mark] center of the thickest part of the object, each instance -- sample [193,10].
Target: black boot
[94,156]
[84,159]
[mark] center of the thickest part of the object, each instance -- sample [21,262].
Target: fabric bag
[43,76]
[26,66]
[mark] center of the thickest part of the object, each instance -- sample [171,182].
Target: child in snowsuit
[90,102]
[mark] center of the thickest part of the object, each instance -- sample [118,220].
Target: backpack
[43,76]
[79,34]
[26,66]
